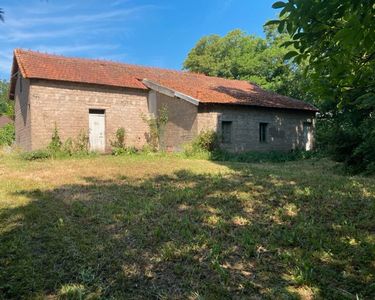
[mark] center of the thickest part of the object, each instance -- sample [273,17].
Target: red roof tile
[206,89]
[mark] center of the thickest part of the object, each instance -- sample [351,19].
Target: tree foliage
[336,39]
[7,135]
[6,106]
[1,15]
[247,57]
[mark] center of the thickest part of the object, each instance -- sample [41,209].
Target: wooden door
[97,131]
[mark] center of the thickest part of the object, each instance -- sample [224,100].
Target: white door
[307,136]
[97,131]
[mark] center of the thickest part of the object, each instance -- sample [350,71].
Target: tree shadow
[184,235]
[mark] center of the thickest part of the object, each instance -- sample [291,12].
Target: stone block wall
[284,127]
[182,123]
[67,105]
[22,114]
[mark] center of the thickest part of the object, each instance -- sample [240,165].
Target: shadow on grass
[246,234]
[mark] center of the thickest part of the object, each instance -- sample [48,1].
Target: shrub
[37,154]
[81,143]
[206,141]
[119,141]
[203,145]
[55,144]
[68,146]
[346,141]
[118,144]
[7,135]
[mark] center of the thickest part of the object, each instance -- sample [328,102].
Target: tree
[241,56]
[336,39]
[6,106]
[1,15]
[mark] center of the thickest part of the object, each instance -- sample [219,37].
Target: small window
[263,132]
[226,132]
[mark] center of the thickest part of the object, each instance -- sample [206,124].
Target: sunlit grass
[167,227]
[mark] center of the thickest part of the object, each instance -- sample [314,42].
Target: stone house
[98,97]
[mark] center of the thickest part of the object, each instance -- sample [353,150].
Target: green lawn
[165,227]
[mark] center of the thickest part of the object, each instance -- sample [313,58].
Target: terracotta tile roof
[206,89]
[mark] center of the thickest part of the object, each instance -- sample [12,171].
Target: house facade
[98,97]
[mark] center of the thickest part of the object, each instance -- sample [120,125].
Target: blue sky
[156,33]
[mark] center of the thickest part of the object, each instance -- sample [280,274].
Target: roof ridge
[95,60]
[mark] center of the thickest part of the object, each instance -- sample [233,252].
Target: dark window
[263,132]
[226,132]
[96,111]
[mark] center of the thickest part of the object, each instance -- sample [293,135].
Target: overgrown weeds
[156,126]
[78,146]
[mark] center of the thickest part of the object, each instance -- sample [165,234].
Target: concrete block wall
[182,124]
[67,105]
[22,114]
[284,129]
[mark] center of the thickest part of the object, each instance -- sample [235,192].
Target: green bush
[68,147]
[55,144]
[119,141]
[81,143]
[206,141]
[118,144]
[347,142]
[77,146]
[7,135]
[203,145]
[37,154]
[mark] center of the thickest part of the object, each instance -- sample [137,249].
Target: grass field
[138,227]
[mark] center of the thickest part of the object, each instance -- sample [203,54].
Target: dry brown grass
[166,227]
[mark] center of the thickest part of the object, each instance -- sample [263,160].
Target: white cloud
[18,35]
[114,15]
[74,48]
[84,28]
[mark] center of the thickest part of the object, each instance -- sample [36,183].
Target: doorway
[97,130]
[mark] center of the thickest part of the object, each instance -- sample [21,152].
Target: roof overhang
[169,92]
[13,78]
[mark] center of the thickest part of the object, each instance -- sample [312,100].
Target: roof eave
[169,92]
[13,78]
[313,109]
